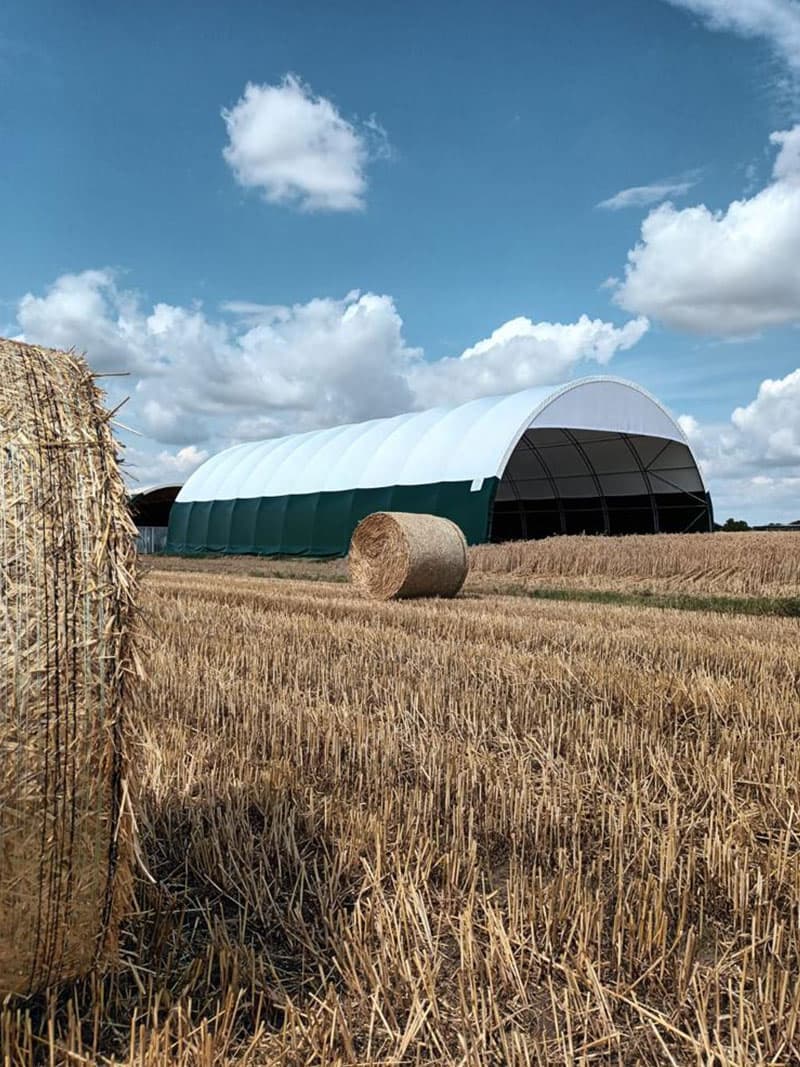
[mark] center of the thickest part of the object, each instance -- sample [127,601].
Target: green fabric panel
[319,524]
[350,503]
[221,535]
[298,525]
[332,516]
[197,531]
[243,526]
[271,514]
[177,532]
[472,511]
[365,501]
[420,499]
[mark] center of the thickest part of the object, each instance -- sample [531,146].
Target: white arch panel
[468,442]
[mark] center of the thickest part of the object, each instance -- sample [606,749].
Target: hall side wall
[319,524]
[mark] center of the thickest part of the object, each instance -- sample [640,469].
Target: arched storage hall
[150,509]
[599,455]
[151,506]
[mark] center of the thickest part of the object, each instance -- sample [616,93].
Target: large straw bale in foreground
[398,554]
[66,590]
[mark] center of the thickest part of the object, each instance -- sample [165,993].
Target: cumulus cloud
[302,366]
[775,21]
[645,195]
[297,149]
[258,370]
[731,272]
[89,310]
[761,435]
[770,423]
[752,461]
[522,353]
[163,467]
[199,382]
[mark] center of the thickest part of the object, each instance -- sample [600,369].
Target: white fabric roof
[449,444]
[147,489]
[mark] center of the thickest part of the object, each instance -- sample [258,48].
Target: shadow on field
[232,920]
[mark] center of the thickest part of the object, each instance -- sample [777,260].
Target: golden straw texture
[67,583]
[752,563]
[396,554]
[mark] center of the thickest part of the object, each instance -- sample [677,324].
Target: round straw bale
[67,562]
[396,554]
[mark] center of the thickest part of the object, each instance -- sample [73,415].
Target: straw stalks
[397,555]
[66,595]
[480,831]
[725,564]
[756,563]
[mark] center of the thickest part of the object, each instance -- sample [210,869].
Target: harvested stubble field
[737,564]
[725,565]
[484,831]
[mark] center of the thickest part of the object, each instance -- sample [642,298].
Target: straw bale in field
[66,594]
[399,554]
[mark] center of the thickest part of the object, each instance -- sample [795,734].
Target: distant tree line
[741,524]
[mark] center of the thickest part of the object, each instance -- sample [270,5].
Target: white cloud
[263,370]
[775,21]
[165,467]
[519,354]
[297,149]
[689,425]
[787,162]
[311,364]
[753,461]
[729,272]
[771,422]
[88,310]
[199,383]
[759,499]
[645,195]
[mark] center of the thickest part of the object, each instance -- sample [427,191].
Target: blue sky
[405,208]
